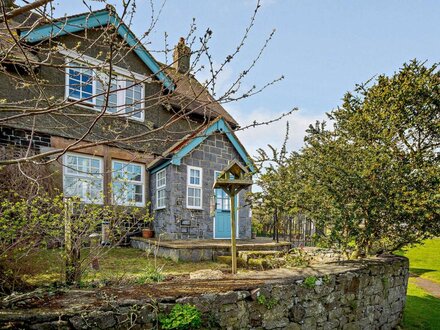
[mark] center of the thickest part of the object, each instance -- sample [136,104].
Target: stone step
[246,255]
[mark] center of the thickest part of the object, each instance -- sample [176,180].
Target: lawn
[117,265]
[422,310]
[425,259]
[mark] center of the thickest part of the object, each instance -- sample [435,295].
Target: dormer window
[125,95]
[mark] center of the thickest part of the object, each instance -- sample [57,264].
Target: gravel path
[429,286]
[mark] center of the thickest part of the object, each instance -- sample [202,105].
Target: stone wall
[368,294]
[176,220]
[313,255]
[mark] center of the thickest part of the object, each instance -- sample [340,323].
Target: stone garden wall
[313,255]
[367,294]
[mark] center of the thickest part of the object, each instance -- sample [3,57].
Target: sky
[323,48]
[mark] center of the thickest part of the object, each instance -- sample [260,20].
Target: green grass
[116,265]
[422,311]
[425,260]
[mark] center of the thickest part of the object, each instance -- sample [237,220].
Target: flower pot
[147,233]
[253,235]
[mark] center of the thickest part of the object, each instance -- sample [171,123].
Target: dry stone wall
[367,294]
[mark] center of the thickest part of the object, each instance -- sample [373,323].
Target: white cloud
[274,133]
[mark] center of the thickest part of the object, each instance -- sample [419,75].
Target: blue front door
[222,220]
[222,215]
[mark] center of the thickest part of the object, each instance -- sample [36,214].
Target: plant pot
[147,233]
[253,235]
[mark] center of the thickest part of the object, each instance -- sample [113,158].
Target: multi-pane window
[128,183]
[194,188]
[83,178]
[125,96]
[102,87]
[161,183]
[133,99]
[80,82]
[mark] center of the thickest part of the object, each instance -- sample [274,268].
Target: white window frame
[142,182]
[161,187]
[121,75]
[86,200]
[194,186]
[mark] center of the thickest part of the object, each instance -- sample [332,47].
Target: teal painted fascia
[93,20]
[160,167]
[67,26]
[221,126]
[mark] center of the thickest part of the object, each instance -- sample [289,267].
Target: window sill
[194,208]
[132,205]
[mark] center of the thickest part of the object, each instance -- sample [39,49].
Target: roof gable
[187,145]
[96,19]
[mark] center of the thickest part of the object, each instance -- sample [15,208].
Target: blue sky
[322,47]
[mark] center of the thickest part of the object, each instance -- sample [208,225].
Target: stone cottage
[119,127]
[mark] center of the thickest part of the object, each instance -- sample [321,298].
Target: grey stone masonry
[365,294]
[176,220]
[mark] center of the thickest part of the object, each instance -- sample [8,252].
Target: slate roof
[191,95]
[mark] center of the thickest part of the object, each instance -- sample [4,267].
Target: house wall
[60,128]
[176,220]
[74,121]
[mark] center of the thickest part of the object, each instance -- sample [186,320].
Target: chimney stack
[182,56]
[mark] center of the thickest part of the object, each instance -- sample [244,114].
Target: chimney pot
[182,56]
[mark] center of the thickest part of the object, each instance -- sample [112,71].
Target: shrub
[182,317]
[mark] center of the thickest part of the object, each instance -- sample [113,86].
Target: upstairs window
[128,183]
[102,87]
[161,183]
[194,191]
[125,97]
[82,177]
[80,82]
[133,99]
